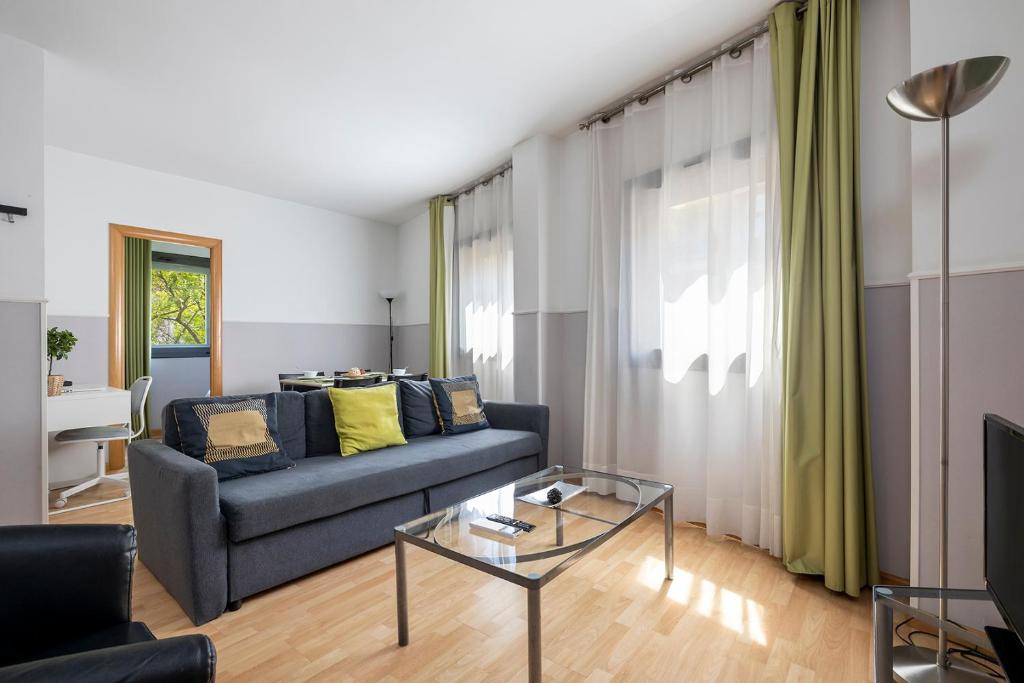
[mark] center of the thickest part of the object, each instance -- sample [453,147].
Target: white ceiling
[366,108]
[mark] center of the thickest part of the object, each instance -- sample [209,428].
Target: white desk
[106,406]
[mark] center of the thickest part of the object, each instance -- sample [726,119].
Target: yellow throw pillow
[366,418]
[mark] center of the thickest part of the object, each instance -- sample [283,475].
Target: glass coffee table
[595,506]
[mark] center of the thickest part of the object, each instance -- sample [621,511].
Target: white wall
[283,262]
[534,208]
[570,260]
[551,184]
[986,145]
[21,168]
[22,417]
[413,266]
[885,143]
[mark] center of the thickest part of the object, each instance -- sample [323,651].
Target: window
[481,287]
[179,292]
[691,226]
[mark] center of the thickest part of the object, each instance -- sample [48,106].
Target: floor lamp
[939,94]
[390,297]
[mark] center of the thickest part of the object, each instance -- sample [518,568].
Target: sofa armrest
[525,417]
[182,534]
[81,572]
[185,659]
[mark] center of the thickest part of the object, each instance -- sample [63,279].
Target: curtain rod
[482,180]
[733,47]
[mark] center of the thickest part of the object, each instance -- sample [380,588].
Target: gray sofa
[212,544]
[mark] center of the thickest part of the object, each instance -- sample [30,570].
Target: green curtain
[828,498]
[438,289]
[138,262]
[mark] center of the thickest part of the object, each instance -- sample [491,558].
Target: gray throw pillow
[419,416]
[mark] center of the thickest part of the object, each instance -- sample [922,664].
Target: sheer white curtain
[683,348]
[481,291]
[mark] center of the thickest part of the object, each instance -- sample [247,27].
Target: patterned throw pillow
[459,406]
[237,436]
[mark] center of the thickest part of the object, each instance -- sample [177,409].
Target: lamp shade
[947,90]
[389,294]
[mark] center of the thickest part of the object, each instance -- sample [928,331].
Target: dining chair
[349,382]
[417,377]
[295,375]
[102,436]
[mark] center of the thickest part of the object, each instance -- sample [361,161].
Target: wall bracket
[12,211]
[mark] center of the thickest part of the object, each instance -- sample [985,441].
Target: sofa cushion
[321,435]
[459,406]
[238,437]
[291,422]
[418,412]
[366,418]
[328,485]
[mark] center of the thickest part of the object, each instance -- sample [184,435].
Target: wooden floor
[731,614]
[100,493]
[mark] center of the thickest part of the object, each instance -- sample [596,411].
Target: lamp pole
[938,94]
[391,337]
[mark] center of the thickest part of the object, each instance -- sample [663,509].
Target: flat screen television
[1004,519]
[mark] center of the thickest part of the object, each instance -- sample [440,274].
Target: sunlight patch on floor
[652,575]
[733,611]
[755,623]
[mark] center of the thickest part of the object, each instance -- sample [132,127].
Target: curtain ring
[642,100]
[686,79]
[736,52]
[605,118]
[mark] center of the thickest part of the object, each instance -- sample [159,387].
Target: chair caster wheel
[60,502]
[234,605]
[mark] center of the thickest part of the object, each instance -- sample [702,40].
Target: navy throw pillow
[236,435]
[458,404]
[419,417]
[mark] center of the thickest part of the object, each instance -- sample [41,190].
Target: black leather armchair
[65,611]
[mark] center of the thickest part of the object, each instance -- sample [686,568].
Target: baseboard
[893,580]
[886,578]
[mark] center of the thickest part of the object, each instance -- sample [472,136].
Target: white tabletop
[86,392]
[105,406]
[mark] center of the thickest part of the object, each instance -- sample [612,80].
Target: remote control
[509,521]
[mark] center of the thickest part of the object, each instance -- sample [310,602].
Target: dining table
[323,382]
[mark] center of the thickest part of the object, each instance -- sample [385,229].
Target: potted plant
[58,347]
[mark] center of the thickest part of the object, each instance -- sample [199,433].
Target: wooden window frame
[115,330]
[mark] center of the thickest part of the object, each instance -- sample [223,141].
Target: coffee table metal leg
[669,536]
[403,600]
[533,632]
[559,540]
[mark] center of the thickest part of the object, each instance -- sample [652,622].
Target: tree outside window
[178,307]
